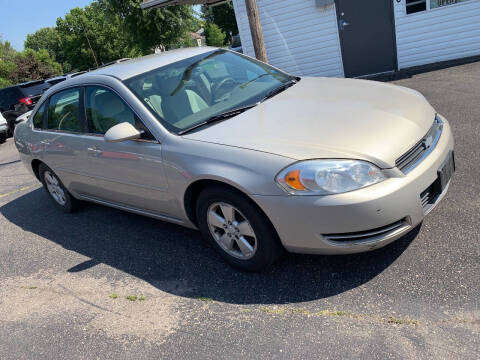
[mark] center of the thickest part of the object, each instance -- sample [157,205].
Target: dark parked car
[18,99]
[236,44]
[58,79]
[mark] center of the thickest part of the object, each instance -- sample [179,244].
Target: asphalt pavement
[106,284]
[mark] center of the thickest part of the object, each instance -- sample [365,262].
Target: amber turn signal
[292,179]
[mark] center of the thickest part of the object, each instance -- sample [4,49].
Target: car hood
[330,118]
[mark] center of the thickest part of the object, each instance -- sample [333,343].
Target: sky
[21,17]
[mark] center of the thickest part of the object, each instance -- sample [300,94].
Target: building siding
[299,37]
[446,33]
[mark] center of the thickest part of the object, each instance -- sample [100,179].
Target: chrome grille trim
[368,234]
[413,157]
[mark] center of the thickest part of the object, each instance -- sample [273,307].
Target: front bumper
[3,128]
[374,216]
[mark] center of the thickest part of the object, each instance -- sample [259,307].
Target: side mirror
[122,132]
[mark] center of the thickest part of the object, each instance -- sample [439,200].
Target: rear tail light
[26,101]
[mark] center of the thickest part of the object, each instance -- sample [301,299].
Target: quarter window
[64,111]
[106,109]
[38,118]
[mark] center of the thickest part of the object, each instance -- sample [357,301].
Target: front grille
[367,235]
[420,150]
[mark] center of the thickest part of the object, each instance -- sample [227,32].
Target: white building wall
[299,37]
[445,33]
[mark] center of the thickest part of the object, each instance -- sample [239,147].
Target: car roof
[24,84]
[130,68]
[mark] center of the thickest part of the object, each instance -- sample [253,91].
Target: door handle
[342,23]
[94,151]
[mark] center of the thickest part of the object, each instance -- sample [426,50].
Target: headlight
[325,177]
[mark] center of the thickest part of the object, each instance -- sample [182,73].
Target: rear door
[367,39]
[59,132]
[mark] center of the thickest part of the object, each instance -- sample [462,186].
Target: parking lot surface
[101,283]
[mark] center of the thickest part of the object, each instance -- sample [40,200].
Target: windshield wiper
[220,117]
[278,90]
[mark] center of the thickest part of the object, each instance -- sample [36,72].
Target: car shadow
[176,260]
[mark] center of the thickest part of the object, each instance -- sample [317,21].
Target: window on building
[414,6]
[439,3]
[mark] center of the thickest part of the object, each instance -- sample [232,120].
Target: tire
[235,243]
[3,137]
[61,197]
[11,125]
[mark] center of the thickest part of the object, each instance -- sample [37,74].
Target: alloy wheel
[54,188]
[232,231]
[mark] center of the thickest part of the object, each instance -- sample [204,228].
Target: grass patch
[333,313]
[141,298]
[396,321]
[205,299]
[273,310]
[113,296]
[132,297]
[28,287]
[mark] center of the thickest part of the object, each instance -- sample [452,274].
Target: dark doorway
[367,38]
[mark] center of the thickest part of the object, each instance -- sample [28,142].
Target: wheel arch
[195,188]
[36,168]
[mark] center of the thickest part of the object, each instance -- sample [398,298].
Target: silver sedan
[256,159]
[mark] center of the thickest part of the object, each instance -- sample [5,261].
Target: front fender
[249,171]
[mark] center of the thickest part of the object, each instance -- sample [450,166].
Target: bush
[214,35]
[5,83]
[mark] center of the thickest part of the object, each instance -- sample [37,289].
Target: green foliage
[214,35]
[45,38]
[148,29]
[92,36]
[34,65]
[222,15]
[5,83]
[23,66]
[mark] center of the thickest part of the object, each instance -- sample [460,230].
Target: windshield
[194,90]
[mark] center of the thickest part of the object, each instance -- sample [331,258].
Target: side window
[38,118]
[64,111]
[106,109]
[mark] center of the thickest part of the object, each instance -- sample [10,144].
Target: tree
[222,15]
[34,65]
[7,65]
[92,36]
[45,38]
[147,29]
[24,66]
[214,35]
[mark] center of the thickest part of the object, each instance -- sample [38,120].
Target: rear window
[236,42]
[33,90]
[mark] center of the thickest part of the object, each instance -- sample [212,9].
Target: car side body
[162,176]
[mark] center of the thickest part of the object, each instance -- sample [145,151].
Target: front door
[366,31]
[128,173]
